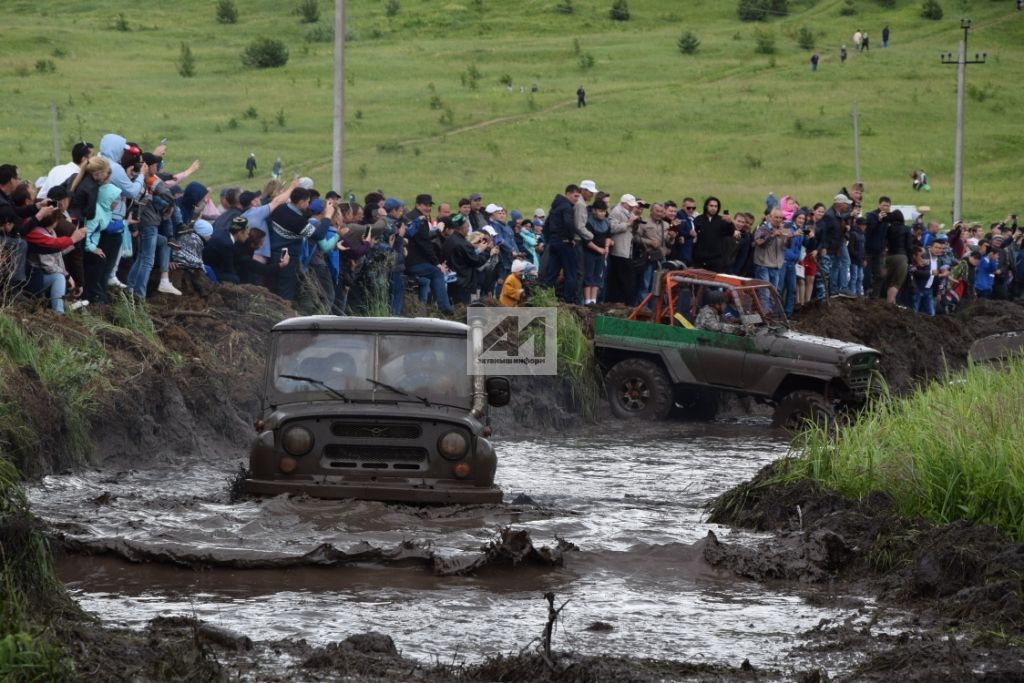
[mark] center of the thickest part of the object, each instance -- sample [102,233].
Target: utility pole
[961,77]
[337,177]
[56,135]
[856,144]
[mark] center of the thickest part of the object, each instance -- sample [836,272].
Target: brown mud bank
[961,584]
[186,649]
[916,349]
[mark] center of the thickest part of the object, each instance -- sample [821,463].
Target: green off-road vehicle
[657,359]
[375,408]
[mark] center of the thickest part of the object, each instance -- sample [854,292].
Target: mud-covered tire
[639,389]
[696,403]
[799,408]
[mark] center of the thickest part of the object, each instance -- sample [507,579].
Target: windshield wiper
[395,389]
[331,390]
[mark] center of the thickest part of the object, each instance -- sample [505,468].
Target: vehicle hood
[790,344]
[381,411]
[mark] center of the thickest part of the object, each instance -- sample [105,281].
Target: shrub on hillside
[764,42]
[391,7]
[186,62]
[805,38]
[265,53]
[761,10]
[688,43]
[565,7]
[887,3]
[321,33]
[848,9]
[309,10]
[227,13]
[619,11]
[931,9]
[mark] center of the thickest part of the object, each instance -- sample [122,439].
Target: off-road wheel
[695,403]
[639,389]
[801,408]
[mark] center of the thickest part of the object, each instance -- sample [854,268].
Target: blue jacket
[111,148]
[857,247]
[792,253]
[508,242]
[984,278]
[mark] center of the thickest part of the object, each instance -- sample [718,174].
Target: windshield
[430,367]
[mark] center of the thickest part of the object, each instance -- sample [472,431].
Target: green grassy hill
[725,121]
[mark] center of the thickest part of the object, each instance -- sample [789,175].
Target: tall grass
[952,451]
[70,373]
[131,314]
[577,365]
[29,591]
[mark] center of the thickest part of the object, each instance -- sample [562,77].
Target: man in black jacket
[289,228]
[874,247]
[219,252]
[560,238]
[422,260]
[463,259]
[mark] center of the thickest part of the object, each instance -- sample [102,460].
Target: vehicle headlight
[453,445]
[297,440]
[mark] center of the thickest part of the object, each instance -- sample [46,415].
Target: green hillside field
[727,120]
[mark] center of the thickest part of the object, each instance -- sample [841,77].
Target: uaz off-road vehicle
[657,359]
[375,408]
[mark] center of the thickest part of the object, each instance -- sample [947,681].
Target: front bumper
[443,493]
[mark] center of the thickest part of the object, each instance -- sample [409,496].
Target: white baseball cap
[588,185]
[306,183]
[491,208]
[539,213]
[489,230]
[629,200]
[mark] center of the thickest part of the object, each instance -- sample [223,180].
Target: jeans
[924,302]
[397,291]
[644,283]
[99,269]
[562,258]
[856,279]
[437,284]
[821,283]
[788,289]
[772,275]
[55,286]
[839,278]
[138,275]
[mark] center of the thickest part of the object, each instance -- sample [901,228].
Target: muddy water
[632,504]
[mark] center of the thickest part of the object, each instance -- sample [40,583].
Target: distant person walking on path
[250,164]
[814,61]
[581,97]
[842,54]
[864,42]
[276,171]
[885,33]
[856,40]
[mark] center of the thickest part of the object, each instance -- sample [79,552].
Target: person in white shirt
[58,174]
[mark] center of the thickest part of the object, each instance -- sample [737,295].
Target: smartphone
[164,141]
[284,252]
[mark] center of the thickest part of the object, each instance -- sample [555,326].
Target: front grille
[362,430]
[348,456]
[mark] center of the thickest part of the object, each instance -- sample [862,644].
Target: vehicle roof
[717,278]
[334,323]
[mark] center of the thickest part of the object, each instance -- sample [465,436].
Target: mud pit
[633,510]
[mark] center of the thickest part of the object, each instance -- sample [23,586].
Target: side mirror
[499,391]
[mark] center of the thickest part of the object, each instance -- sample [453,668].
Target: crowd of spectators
[111,217]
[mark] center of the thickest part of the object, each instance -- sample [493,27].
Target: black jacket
[561,223]
[874,233]
[219,254]
[712,234]
[421,248]
[462,258]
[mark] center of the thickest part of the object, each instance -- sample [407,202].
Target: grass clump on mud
[951,451]
[576,362]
